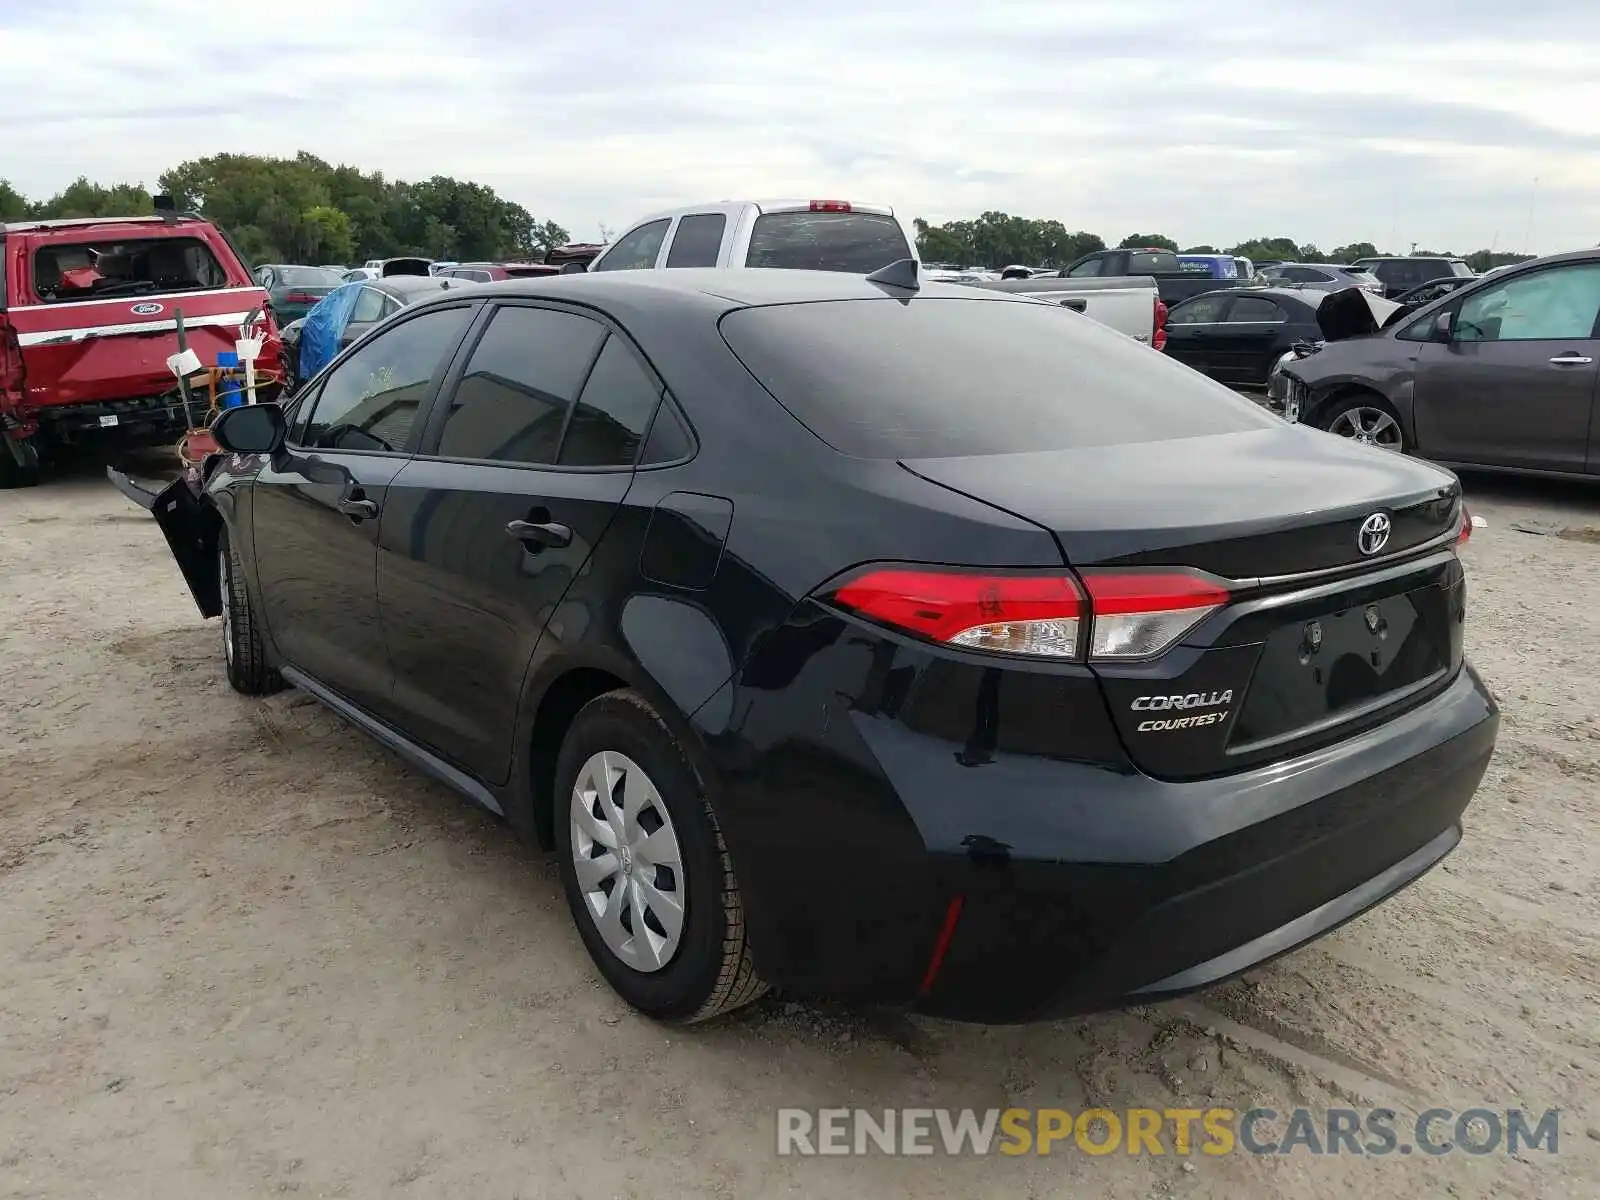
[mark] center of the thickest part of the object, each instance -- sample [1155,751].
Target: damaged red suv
[88,318]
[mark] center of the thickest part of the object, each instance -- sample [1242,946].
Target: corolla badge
[1373,534]
[148,309]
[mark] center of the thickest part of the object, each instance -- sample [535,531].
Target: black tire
[711,972]
[1335,414]
[19,462]
[243,649]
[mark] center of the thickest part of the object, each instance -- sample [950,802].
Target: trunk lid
[117,348]
[1237,505]
[1324,631]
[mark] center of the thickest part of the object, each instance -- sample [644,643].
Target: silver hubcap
[227,605]
[628,862]
[1369,426]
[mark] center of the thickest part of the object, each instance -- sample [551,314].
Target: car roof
[722,290]
[70,224]
[408,287]
[1272,293]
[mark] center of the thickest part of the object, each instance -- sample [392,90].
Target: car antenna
[899,274]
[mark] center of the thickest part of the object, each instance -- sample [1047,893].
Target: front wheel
[645,870]
[1368,420]
[243,648]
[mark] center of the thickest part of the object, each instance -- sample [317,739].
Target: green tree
[1201,250]
[330,237]
[1140,241]
[13,204]
[997,239]
[1483,260]
[1266,249]
[81,198]
[1354,252]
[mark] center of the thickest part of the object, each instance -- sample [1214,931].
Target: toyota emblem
[1373,534]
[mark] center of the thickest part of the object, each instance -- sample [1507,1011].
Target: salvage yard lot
[244,951]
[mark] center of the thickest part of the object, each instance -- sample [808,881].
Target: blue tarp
[324,326]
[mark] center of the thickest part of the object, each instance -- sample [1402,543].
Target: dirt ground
[246,952]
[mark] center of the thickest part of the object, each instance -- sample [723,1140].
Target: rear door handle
[540,533]
[357,509]
[1571,360]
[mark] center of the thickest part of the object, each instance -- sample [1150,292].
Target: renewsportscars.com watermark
[1373,1132]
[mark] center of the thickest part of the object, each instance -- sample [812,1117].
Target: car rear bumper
[1028,887]
[1345,832]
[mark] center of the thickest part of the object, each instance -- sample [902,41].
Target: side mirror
[251,429]
[574,268]
[1444,327]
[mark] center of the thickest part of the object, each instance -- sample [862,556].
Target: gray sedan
[1500,374]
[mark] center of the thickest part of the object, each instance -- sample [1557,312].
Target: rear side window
[637,249]
[613,411]
[1152,262]
[697,241]
[939,377]
[857,243]
[90,270]
[1461,270]
[512,400]
[1254,308]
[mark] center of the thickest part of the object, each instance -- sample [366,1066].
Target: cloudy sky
[1320,120]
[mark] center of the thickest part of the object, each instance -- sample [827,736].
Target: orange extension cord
[195,444]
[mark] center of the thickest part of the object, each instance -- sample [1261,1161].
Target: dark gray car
[1328,277]
[1500,374]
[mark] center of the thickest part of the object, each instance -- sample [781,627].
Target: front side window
[1561,304]
[697,241]
[370,400]
[1202,310]
[637,249]
[1085,270]
[512,401]
[613,411]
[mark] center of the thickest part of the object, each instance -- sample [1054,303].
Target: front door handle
[358,509]
[540,533]
[1571,360]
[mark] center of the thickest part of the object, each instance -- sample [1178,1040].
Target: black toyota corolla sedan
[923,647]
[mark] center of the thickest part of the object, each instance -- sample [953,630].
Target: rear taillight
[1140,614]
[830,206]
[1465,532]
[11,370]
[1158,334]
[1011,614]
[1124,616]
[301,298]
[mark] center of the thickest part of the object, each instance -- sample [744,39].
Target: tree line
[998,239]
[305,210]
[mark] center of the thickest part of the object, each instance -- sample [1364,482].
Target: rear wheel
[646,873]
[243,648]
[1367,419]
[19,462]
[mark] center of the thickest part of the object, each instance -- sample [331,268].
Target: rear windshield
[310,276]
[858,243]
[90,270]
[942,377]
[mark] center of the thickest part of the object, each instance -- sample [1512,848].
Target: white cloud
[1362,121]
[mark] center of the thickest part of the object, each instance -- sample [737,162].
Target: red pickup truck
[88,318]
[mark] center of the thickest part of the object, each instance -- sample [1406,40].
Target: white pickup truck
[841,235]
[1130,304]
